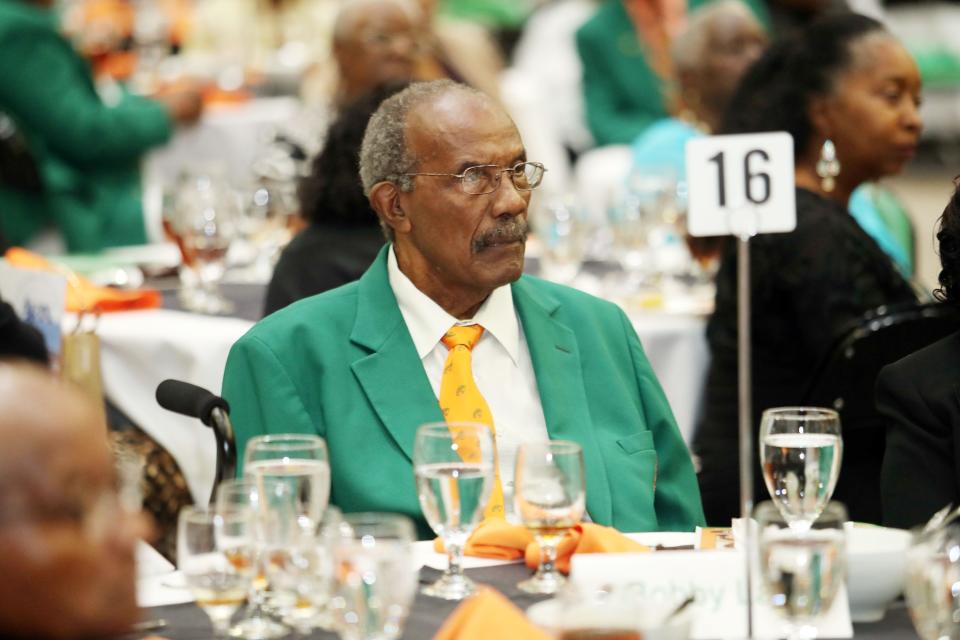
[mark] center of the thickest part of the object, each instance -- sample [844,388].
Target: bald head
[375,42]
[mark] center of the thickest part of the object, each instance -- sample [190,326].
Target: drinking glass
[454,466]
[933,571]
[801,570]
[800,451]
[376,581]
[549,498]
[207,220]
[562,233]
[218,584]
[299,461]
[245,542]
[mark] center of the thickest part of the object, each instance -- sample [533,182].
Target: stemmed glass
[245,542]
[299,461]
[801,571]
[933,571]
[454,466]
[549,498]
[207,219]
[563,236]
[376,581]
[800,451]
[218,583]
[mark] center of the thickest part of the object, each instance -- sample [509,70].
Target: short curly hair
[948,237]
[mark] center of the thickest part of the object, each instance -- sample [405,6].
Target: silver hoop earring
[828,167]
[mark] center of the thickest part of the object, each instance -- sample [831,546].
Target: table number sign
[741,184]
[39,298]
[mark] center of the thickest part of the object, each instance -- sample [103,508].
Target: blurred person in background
[68,545]
[87,151]
[844,86]
[917,397]
[343,235]
[628,74]
[787,16]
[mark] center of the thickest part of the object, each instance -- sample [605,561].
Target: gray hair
[689,47]
[384,154]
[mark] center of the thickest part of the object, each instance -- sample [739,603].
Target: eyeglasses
[485,178]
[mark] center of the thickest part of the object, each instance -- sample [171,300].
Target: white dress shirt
[501,361]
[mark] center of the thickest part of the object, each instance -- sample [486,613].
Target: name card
[715,579]
[741,184]
[39,298]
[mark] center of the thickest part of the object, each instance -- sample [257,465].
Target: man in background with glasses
[366,364]
[68,545]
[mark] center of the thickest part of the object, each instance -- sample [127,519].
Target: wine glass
[801,570]
[549,498]
[563,237]
[298,460]
[207,221]
[800,450]
[454,466]
[218,584]
[244,545]
[933,570]
[376,581]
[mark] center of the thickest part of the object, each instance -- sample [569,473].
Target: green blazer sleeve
[676,493]
[47,88]
[263,397]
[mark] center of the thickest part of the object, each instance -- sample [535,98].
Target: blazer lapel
[391,375]
[556,363]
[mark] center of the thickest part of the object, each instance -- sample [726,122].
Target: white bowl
[876,565]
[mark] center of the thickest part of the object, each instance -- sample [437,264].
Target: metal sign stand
[745,227]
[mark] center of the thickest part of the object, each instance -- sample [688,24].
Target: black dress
[807,286]
[319,258]
[919,399]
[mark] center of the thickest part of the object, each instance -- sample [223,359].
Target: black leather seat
[845,382]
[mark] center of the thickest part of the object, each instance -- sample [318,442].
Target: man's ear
[385,200]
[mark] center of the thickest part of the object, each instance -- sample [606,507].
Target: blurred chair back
[845,382]
[18,167]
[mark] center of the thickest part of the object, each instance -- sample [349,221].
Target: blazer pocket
[642,441]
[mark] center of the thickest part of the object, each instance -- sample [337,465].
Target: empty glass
[454,467]
[800,453]
[933,573]
[801,570]
[549,499]
[376,580]
[562,232]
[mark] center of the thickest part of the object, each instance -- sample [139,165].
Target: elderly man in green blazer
[362,365]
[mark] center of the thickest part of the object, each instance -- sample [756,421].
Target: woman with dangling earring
[848,92]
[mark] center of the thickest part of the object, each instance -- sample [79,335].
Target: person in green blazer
[622,93]
[87,152]
[345,364]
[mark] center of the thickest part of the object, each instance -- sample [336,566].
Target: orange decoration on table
[83,295]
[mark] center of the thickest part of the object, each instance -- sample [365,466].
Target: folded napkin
[487,615]
[586,537]
[495,538]
[83,295]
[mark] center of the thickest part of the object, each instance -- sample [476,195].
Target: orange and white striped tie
[460,400]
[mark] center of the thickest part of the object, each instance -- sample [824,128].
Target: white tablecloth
[142,348]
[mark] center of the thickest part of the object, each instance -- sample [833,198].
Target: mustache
[514,230]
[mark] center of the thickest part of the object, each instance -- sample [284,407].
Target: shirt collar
[427,321]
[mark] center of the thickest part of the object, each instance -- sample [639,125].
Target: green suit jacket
[87,153]
[342,364]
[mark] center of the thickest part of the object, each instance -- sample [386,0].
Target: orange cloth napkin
[495,538]
[586,537]
[488,615]
[83,294]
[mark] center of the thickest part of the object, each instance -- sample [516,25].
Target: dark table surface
[187,622]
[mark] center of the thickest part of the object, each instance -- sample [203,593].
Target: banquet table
[187,622]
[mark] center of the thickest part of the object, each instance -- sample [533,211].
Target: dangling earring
[828,167]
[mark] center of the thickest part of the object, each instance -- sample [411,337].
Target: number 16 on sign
[741,185]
